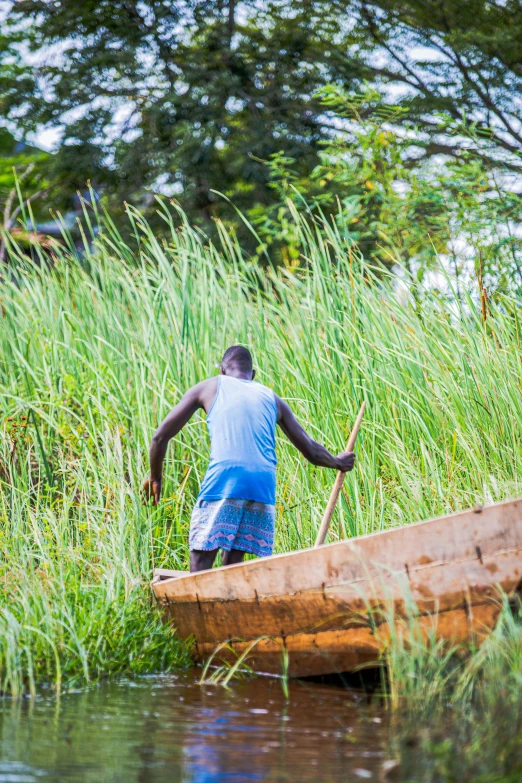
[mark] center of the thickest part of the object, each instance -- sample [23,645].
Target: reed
[457,715]
[95,349]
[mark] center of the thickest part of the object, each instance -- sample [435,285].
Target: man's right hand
[345,461]
[152,490]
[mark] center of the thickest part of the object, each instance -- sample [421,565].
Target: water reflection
[169,728]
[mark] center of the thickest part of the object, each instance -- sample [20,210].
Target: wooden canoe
[332,607]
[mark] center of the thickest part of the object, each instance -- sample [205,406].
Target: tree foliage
[455,68]
[192,98]
[188,95]
[396,212]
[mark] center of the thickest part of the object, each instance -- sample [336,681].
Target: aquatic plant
[94,350]
[219,671]
[458,715]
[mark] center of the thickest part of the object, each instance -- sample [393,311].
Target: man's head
[237,361]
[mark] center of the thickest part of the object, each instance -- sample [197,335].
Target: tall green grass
[456,716]
[94,350]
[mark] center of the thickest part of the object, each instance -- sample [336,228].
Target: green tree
[184,97]
[395,207]
[455,67]
[188,97]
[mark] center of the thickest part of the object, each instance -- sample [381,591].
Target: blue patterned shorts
[233,524]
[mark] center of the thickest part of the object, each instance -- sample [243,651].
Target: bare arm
[309,448]
[199,396]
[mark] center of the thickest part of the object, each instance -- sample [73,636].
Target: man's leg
[234,556]
[201,560]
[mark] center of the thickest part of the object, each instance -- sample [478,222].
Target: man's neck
[241,376]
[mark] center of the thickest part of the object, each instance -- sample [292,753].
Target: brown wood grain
[330,606]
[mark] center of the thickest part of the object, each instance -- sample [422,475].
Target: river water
[169,728]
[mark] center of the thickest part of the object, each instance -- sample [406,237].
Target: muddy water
[169,728]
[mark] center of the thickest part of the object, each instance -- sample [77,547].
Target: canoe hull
[333,608]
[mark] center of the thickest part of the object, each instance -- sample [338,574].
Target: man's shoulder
[269,392]
[205,391]
[207,382]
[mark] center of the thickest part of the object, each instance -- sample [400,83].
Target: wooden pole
[325,523]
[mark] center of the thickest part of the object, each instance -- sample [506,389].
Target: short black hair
[237,356]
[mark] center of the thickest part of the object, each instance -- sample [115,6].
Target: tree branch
[12,216]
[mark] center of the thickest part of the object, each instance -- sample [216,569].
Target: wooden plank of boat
[331,606]
[160,574]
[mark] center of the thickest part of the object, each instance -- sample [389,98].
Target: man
[235,509]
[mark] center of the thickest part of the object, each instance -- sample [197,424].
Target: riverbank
[94,353]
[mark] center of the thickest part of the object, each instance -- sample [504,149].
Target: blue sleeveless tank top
[241,423]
